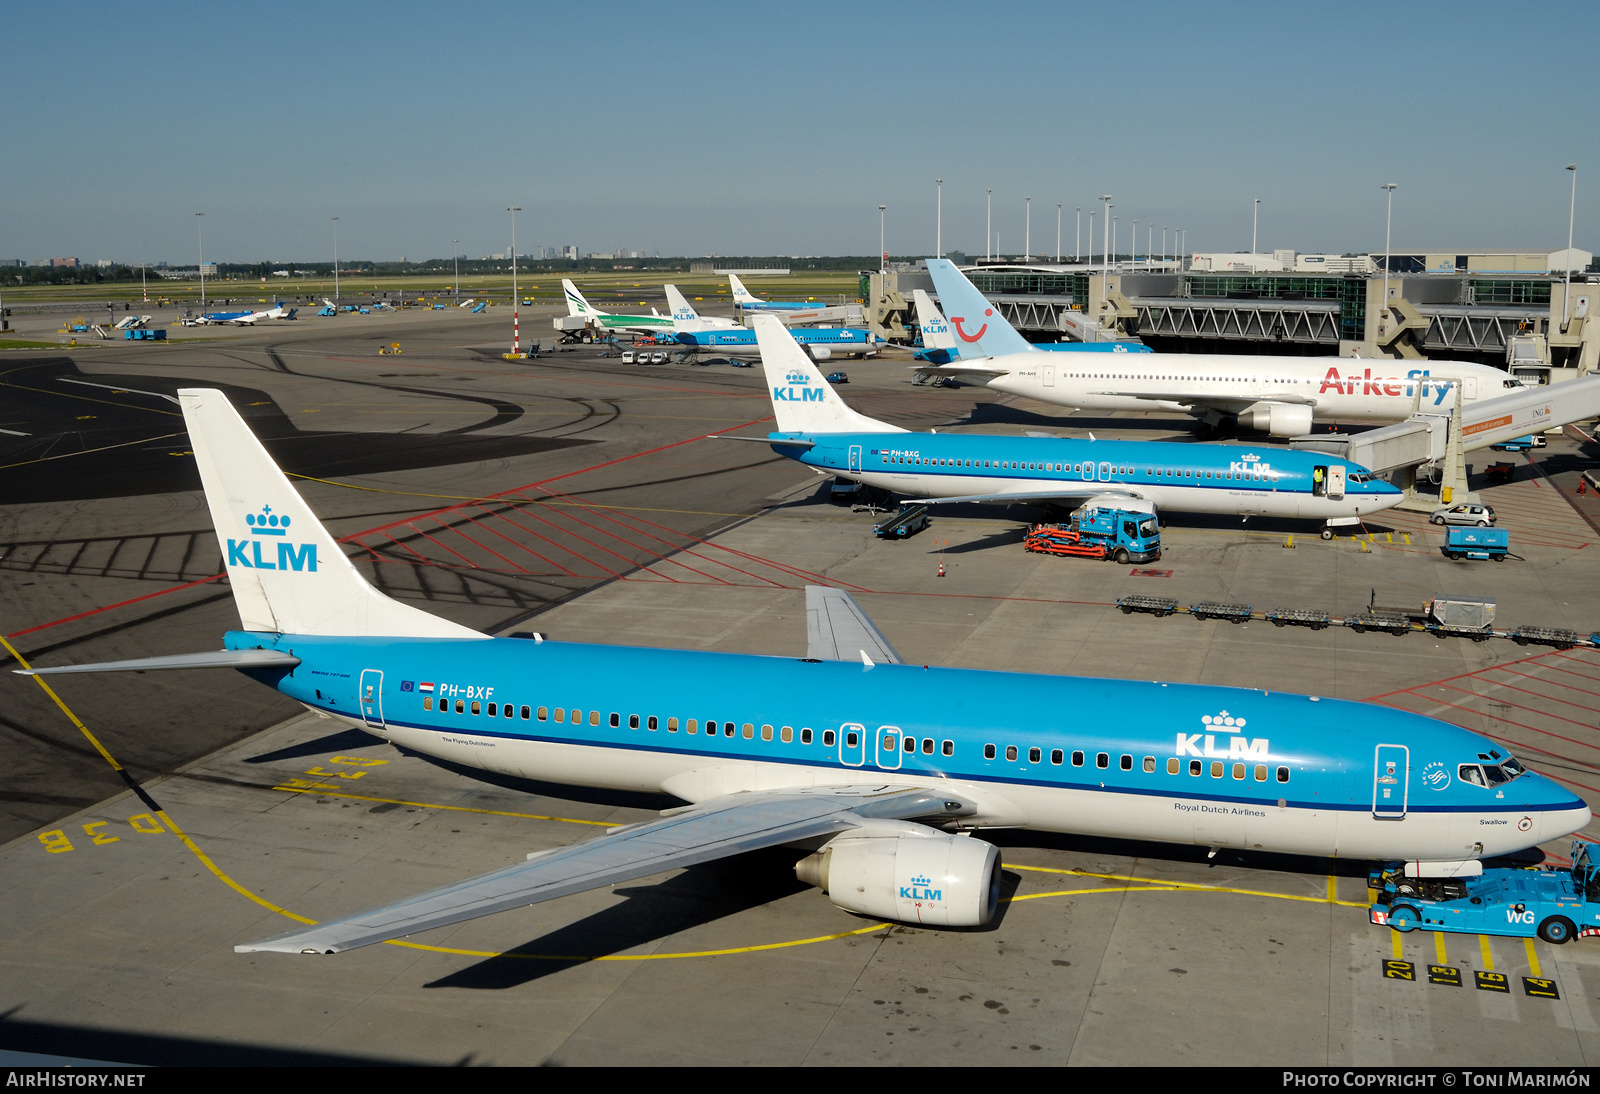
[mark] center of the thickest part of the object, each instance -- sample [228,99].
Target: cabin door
[1336,482]
[372,697]
[852,744]
[1048,374]
[1390,780]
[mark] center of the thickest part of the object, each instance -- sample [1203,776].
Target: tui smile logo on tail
[956,321]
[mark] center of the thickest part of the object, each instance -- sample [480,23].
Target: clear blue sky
[758,129]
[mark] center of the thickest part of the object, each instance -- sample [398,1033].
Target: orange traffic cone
[941,569]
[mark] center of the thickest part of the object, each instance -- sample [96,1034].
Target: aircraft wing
[978,370]
[1064,492]
[713,829]
[838,630]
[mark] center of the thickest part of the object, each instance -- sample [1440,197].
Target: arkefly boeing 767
[880,774]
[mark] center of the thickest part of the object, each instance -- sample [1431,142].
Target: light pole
[1133,245]
[455,255]
[938,219]
[1255,213]
[1027,229]
[1114,227]
[988,222]
[1163,243]
[1105,230]
[200,231]
[335,262]
[516,328]
[1077,238]
[1572,209]
[1388,221]
[1091,236]
[883,256]
[1058,233]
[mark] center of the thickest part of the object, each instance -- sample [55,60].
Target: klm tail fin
[288,574]
[935,331]
[576,304]
[802,401]
[978,325]
[682,310]
[742,295]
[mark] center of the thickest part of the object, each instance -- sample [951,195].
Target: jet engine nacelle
[1279,419]
[937,880]
[819,353]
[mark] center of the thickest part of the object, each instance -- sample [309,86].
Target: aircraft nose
[1572,817]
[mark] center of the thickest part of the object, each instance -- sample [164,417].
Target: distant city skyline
[610,127]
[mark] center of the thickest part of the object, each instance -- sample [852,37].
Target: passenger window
[1149,764]
[1238,771]
[1261,773]
[988,752]
[805,735]
[427,704]
[1127,762]
[729,729]
[1102,760]
[766,733]
[476,709]
[651,724]
[508,712]
[493,710]
[527,712]
[633,722]
[616,719]
[1283,774]
[577,716]
[786,734]
[910,744]
[1196,767]
[561,714]
[594,718]
[672,725]
[1216,768]
[949,748]
[1011,752]
[827,737]
[1056,756]
[850,739]
[749,731]
[1033,755]
[1173,765]
[1077,759]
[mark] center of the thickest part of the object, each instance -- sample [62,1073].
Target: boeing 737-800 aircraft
[817,428]
[880,773]
[1281,395]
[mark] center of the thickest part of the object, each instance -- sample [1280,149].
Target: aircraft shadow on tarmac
[1075,426]
[89,442]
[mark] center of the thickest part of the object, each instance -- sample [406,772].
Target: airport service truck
[1557,904]
[1098,531]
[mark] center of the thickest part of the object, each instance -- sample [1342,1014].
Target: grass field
[610,291]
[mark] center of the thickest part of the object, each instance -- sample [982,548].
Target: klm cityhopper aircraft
[745,300]
[1281,396]
[878,771]
[817,428]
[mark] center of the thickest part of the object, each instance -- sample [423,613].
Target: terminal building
[1505,309]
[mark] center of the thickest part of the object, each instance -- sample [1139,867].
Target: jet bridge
[1433,444]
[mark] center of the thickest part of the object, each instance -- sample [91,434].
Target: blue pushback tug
[1555,904]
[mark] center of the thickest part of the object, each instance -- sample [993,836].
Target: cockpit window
[1489,775]
[1472,773]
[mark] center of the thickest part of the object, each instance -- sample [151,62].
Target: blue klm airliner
[881,773]
[818,428]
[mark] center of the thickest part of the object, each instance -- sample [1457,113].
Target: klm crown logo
[797,376]
[289,556]
[1219,728]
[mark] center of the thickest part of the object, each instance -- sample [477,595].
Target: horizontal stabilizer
[790,442]
[838,630]
[712,830]
[219,659]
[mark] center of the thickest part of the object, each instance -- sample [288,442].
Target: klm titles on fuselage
[290,556]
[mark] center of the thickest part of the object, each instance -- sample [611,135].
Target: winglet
[836,627]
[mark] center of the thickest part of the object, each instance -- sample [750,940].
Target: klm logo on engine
[288,556]
[921,889]
[799,389]
[1205,745]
